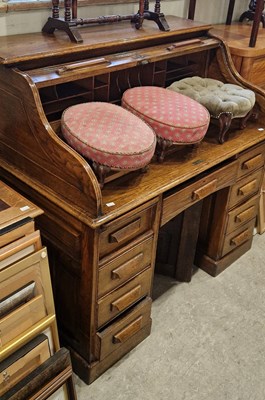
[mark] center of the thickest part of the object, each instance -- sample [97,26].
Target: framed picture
[51,380]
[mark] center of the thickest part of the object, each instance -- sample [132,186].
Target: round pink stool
[110,136]
[175,118]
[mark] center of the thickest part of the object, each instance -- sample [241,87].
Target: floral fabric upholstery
[173,116]
[109,135]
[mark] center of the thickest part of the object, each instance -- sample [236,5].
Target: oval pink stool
[108,135]
[175,118]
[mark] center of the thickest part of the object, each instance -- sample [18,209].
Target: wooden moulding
[261,212]
[45,380]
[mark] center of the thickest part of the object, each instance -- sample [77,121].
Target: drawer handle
[245,215]
[82,64]
[253,162]
[127,268]
[124,233]
[205,190]
[129,331]
[243,237]
[248,188]
[126,300]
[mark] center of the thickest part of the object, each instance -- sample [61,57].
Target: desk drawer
[125,266]
[121,231]
[175,203]
[238,237]
[245,188]
[251,160]
[242,214]
[124,329]
[121,299]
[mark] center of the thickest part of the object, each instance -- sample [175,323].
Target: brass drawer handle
[129,331]
[126,300]
[127,268]
[253,162]
[248,188]
[245,215]
[205,190]
[243,237]
[123,233]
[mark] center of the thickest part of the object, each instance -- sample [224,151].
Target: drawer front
[124,329]
[238,237]
[22,362]
[124,229]
[125,266]
[121,299]
[242,214]
[174,204]
[246,188]
[251,160]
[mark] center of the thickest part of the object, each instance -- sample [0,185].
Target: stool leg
[243,122]
[225,120]
[101,171]
[162,145]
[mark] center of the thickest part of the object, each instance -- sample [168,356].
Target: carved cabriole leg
[224,120]
[101,171]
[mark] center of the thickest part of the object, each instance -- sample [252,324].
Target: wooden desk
[103,243]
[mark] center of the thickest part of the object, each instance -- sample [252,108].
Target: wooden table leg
[192,6]
[230,12]
[188,242]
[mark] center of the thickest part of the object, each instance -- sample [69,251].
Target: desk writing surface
[177,168]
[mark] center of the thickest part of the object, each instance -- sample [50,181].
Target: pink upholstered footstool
[110,136]
[175,118]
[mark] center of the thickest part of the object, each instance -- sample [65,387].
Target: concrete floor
[207,340]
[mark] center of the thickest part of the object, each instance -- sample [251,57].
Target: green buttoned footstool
[224,101]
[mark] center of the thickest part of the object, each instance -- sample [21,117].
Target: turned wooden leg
[101,171]
[162,145]
[225,120]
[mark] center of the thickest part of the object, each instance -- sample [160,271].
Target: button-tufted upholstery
[175,118]
[221,99]
[108,135]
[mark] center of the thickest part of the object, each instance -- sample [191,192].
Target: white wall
[209,11]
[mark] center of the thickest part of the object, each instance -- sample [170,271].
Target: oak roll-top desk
[103,243]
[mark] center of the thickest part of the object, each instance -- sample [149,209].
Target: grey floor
[207,340]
